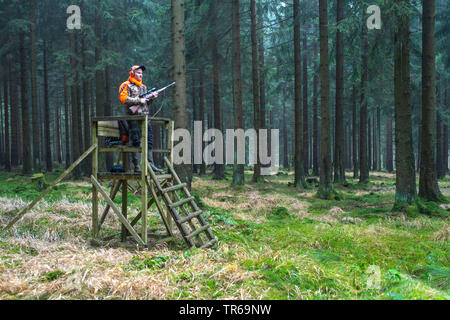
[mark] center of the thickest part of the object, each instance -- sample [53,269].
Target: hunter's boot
[152,164]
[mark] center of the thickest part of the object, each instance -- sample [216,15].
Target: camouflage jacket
[129,96]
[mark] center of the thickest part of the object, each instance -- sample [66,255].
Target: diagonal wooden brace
[46,191]
[116,210]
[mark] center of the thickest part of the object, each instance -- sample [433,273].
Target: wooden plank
[137,118]
[191,216]
[124,232]
[116,210]
[181,202]
[198,231]
[108,132]
[95,225]
[161,151]
[174,188]
[46,191]
[119,149]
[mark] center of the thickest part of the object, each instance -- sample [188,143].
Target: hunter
[129,92]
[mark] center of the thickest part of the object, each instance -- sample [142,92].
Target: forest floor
[275,242]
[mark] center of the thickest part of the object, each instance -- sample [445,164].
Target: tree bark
[315,116]
[26,146]
[326,170]
[238,171]
[74,100]
[67,122]
[428,186]
[299,167]
[405,192]
[354,131]
[389,149]
[363,148]
[86,109]
[219,170]
[202,116]
[7,153]
[306,165]
[256,88]
[47,137]
[34,98]
[15,124]
[339,149]
[179,76]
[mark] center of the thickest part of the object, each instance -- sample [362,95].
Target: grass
[275,242]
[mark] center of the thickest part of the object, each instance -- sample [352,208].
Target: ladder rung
[164,176]
[209,244]
[196,232]
[181,202]
[191,216]
[174,188]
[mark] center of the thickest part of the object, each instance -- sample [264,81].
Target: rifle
[149,93]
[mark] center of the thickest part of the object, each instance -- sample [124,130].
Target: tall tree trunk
[299,167]
[179,75]
[196,117]
[445,135]
[256,88]
[7,152]
[34,98]
[262,77]
[306,165]
[285,139]
[378,168]
[238,171]
[369,140]
[428,186]
[363,150]
[26,146]
[75,110]
[99,81]
[405,192]
[15,124]
[339,149]
[86,108]
[67,122]
[108,110]
[219,170]
[389,149]
[57,124]
[202,116]
[315,115]
[47,139]
[326,170]
[354,131]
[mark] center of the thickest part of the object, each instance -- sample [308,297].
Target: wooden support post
[124,232]
[144,146]
[170,129]
[95,224]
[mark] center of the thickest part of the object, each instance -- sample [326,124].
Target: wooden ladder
[191,223]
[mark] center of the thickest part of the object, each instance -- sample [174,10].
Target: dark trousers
[136,133]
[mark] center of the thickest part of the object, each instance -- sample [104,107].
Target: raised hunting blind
[165,192]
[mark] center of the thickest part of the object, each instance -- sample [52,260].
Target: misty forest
[354,96]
